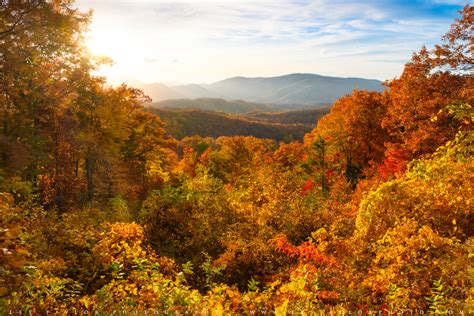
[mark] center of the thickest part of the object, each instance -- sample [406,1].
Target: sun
[127,54]
[115,47]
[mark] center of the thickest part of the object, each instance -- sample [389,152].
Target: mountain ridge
[285,90]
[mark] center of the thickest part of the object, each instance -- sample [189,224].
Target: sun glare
[125,55]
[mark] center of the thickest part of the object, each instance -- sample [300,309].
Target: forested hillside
[307,117]
[210,104]
[103,212]
[280,126]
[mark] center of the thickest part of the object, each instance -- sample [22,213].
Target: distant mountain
[287,92]
[308,89]
[210,104]
[195,91]
[159,91]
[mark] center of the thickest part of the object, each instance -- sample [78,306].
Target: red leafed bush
[307,252]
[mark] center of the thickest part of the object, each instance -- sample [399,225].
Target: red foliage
[329,173]
[307,252]
[328,295]
[395,163]
[307,187]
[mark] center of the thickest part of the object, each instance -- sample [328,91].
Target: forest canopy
[102,210]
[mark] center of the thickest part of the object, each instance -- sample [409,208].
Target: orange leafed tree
[431,81]
[353,130]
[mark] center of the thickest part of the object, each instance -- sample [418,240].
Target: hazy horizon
[171,84]
[202,42]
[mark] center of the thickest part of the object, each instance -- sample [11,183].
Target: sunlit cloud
[213,40]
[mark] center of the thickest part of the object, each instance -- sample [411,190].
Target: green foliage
[437,301]
[253,285]
[22,191]
[211,272]
[119,209]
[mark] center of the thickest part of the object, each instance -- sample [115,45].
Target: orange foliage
[353,127]
[307,252]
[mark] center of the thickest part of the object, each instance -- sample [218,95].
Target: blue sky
[205,41]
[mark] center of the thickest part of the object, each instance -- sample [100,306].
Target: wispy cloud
[151,60]
[215,39]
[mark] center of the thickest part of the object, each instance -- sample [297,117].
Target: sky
[194,41]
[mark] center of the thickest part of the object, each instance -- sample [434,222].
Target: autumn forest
[103,211]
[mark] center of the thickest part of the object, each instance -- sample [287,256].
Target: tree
[457,50]
[435,191]
[354,133]
[41,60]
[431,81]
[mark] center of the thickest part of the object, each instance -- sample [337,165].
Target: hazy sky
[206,41]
